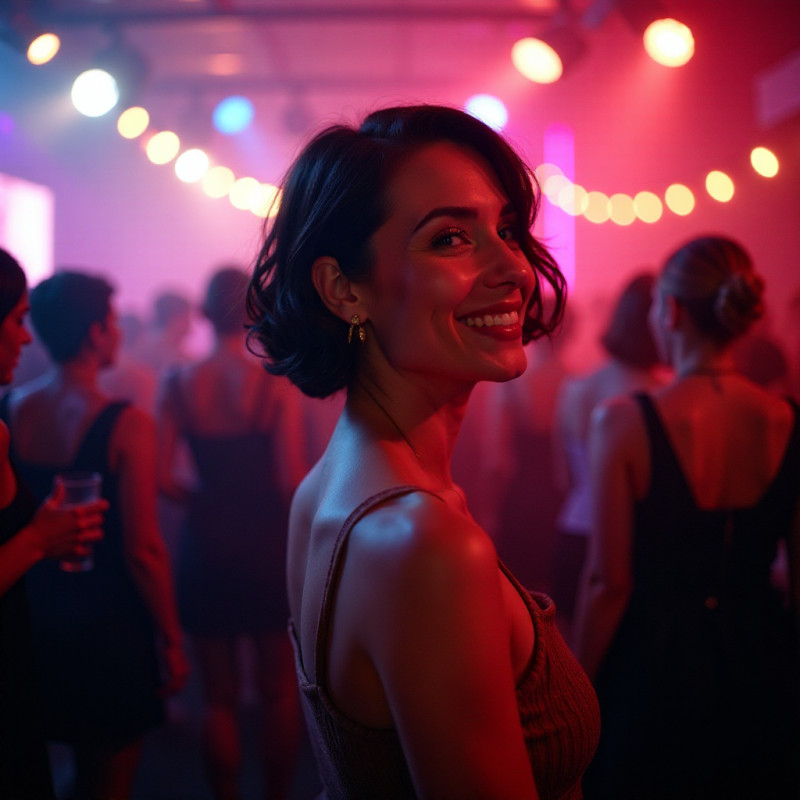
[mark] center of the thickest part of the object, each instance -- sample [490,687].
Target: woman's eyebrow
[460,212]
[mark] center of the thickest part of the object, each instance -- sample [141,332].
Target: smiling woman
[401,267]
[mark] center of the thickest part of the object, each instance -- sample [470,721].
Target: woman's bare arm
[615,451]
[436,629]
[134,445]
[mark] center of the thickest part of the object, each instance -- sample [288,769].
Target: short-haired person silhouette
[401,268]
[107,642]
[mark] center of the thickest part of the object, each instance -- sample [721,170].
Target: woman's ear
[340,296]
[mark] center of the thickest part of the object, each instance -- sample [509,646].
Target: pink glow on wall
[559,227]
[26,225]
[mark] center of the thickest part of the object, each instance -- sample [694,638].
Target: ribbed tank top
[557,706]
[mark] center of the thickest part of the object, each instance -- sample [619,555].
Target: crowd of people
[317,486]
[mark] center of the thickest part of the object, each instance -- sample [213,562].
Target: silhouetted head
[170,308]
[13,284]
[628,337]
[224,303]
[64,308]
[714,280]
[335,198]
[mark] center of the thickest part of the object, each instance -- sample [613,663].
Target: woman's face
[13,335]
[449,283]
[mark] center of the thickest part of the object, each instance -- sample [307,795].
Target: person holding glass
[401,268]
[107,641]
[27,535]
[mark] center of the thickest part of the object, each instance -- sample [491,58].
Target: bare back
[729,437]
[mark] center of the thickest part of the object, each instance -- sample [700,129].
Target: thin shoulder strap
[662,455]
[335,570]
[95,442]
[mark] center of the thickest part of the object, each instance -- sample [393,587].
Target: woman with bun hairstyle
[693,653]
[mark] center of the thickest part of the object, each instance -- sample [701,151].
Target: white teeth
[489,320]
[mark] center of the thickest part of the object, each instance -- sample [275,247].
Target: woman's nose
[509,266]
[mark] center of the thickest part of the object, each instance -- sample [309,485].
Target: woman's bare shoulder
[420,530]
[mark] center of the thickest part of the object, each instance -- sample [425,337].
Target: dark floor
[171,767]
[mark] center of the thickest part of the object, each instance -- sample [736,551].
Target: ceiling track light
[667,41]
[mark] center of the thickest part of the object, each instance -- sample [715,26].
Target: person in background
[161,346]
[245,435]
[27,535]
[129,379]
[693,652]
[632,364]
[107,642]
[401,268]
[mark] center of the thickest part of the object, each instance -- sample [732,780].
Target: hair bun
[739,302]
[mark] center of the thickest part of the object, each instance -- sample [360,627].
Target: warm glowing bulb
[191,165]
[669,42]
[621,209]
[43,48]
[554,185]
[536,60]
[719,186]
[597,207]
[544,171]
[245,193]
[163,147]
[648,207]
[488,109]
[266,201]
[133,122]
[679,199]
[217,181]
[764,162]
[574,199]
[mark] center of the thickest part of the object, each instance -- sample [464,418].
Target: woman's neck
[424,433]
[74,374]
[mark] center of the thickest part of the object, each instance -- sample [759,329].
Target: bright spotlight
[488,109]
[43,48]
[233,115]
[669,42]
[94,93]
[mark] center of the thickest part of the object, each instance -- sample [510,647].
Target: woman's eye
[509,233]
[450,237]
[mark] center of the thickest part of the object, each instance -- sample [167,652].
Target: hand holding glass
[79,488]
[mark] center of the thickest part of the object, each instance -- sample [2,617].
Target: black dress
[24,766]
[699,689]
[231,562]
[94,639]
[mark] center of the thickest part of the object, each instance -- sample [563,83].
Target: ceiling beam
[395,12]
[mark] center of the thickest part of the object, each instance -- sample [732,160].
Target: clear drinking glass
[79,488]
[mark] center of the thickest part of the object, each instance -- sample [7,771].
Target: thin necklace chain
[392,420]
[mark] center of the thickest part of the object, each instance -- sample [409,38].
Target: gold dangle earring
[355,323]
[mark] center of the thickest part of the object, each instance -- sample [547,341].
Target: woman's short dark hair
[333,201]
[12,283]
[224,303]
[714,279]
[628,337]
[64,307]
